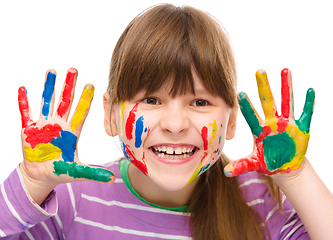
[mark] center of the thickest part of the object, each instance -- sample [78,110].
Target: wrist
[293,179]
[37,189]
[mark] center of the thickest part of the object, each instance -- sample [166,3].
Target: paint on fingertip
[48,93]
[67,93]
[228,171]
[82,106]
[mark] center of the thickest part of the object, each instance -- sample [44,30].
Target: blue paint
[146,129]
[67,143]
[138,132]
[48,93]
[123,148]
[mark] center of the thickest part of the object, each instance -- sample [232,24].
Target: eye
[151,100]
[200,103]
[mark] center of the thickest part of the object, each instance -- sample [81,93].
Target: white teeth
[163,148]
[169,150]
[178,150]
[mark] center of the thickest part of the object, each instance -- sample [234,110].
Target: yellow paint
[212,138]
[265,95]
[195,174]
[42,152]
[272,123]
[122,107]
[301,140]
[82,107]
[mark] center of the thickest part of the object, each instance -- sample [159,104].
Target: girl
[171,100]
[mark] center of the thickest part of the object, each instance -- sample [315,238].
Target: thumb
[240,166]
[83,172]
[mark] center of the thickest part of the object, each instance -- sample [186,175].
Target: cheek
[213,138]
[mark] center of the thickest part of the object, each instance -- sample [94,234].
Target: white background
[38,35]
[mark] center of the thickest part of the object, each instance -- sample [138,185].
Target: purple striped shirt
[90,210]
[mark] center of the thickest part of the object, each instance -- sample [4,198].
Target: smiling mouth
[174,153]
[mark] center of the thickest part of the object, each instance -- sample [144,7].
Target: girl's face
[173,140]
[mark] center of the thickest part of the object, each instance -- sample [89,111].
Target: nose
[175,120]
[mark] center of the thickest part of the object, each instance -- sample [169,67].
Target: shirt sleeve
[19,213]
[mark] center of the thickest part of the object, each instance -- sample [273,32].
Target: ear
[231,128]
[110,125]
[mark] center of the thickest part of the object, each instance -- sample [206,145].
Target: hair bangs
[167,44]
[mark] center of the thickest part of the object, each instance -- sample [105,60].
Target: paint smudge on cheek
[141,165]
[212,138]
[122,107]
[138,132]
[204,134]
[67,93]
[48,93]
[130,122]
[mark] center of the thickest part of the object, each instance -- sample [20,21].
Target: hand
[280,140]
[50,143]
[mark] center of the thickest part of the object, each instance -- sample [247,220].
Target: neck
[157,195]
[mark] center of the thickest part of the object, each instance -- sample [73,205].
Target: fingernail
[229,171]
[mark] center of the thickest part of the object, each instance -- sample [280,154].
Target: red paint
[140,165]
[24,107]
[265,132]
[285,93]
[255,163]
[67,93]
[43,135]
[204,134]
[130,122]
[282,124]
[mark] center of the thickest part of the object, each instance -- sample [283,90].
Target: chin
[170,182]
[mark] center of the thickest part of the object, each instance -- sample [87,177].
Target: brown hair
[167,43]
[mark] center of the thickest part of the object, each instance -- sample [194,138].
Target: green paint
[249,114]
[204,168]
[81,171]
[304,121]
[220,139]
[221,125]
[278,150]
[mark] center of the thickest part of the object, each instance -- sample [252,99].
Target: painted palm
[280,140]
[50,143]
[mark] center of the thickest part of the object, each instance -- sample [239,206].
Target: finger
[287,100]
[83,172]
[48,94]
[67,95]
[240,166]
[265,94]
[305,120]
[24,107]
[82,107]
[251,116]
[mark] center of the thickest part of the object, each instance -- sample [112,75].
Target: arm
[311,199]
[280,144]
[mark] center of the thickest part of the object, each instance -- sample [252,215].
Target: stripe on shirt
[29,235]
[252,181]
[47,230]
[60,224]
[71,196]
[256,201]
[11,208]
[292,231]
[270,214]
[130,205]
[129,231]
[2,234]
